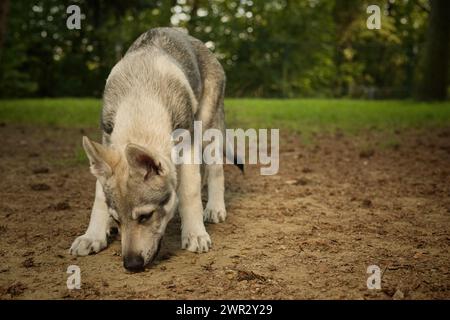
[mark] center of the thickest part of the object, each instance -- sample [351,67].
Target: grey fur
[202,70]
[189,85]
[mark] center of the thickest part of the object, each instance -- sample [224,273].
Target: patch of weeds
[78,158]
[390,143]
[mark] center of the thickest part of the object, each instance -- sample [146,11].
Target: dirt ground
[310,232]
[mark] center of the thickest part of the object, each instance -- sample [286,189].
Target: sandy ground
[309,232]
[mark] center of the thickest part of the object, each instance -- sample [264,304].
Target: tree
[433,84]
[4,9]
[268,48]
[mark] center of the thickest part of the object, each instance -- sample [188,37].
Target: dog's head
[139,188]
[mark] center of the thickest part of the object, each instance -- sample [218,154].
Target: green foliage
[379,63]
[275,48]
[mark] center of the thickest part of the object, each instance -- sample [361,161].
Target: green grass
[305,115]
[66,112]
[329,115]
[78,158]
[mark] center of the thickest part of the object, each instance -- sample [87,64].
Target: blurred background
[270,48]
[364,120]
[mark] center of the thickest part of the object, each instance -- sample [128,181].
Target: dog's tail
[237,160]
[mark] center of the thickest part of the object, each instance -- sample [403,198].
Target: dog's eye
[145,217]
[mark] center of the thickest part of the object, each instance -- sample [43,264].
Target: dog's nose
[134,263]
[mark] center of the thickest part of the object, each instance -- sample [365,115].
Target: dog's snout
[134,263]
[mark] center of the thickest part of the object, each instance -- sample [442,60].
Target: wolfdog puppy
[166,81]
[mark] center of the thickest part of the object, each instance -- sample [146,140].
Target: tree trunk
[4,10]
[345,12]
[433,84]
[193,21]
[166,12]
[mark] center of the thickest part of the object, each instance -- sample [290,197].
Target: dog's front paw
[195,239]
[214,213]
[84,245]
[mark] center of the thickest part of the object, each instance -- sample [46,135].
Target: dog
[165,81]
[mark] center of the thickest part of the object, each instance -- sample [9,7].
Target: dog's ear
[101,158]
[144,162]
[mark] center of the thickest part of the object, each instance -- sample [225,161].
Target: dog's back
[166,64]
[178,45]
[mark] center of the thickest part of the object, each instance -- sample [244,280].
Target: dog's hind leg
[95,238]
[204,175]
[215,208]
[212,116]
[215,211]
